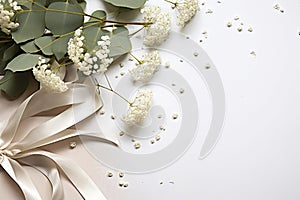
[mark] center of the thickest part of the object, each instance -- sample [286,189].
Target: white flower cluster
[138,110]
[89,63]
[48,80]
[75,47]
[186,10]
[160,27]
[99,60]
[149,65]
[7,11]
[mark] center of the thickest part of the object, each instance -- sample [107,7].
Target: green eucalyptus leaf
[29,47]
[60,45]
[3,62]
[24,3]
[48,2]
[23,62]
[134,4]
[82,5]
[32,25]
[14,84]
[44,43]
[120,43]
[92,35]
[60,23]
[11,52]
[99,14]
[28,4]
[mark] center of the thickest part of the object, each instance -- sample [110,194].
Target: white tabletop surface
[257,155]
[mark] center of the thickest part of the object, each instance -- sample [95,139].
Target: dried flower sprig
[146,67]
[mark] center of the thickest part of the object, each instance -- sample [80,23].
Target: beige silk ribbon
[18,147]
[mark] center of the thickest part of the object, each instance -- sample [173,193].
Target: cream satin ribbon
[17,147]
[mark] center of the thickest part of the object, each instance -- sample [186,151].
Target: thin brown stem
[132,34]
[108,82]
[5,41]
[139,61]
[111,90]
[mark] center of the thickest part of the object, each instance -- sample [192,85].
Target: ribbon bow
[18,147]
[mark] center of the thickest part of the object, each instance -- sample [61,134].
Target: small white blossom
[75,47]
[7,12]
[99,60]
[160,27]
[186,11]
[96,61]
[149,65]
[138,110]
[48,79]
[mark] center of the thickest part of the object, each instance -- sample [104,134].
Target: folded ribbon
[18,147]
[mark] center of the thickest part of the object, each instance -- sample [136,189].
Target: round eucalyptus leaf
[44,43]
[92,35]
[134,4]
[11,52]
[30,47]
[63,17]
[23,62]
[120,43]
[32,25]
[14,84]
[98,14]
[60,45]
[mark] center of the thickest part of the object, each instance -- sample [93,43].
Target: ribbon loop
[19,147]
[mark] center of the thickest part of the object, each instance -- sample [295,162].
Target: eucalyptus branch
[61,36]
[88,15]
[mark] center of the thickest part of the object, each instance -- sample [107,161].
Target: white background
[257,156]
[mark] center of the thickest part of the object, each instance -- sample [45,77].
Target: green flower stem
[132,34]
[65,64]
[113,91]
[107,80]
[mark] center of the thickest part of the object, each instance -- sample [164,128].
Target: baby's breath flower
[160,27]
[48,79]
[145,70]
[97,61]
[7,11]
[186,10]
[75,46]
[138,110]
